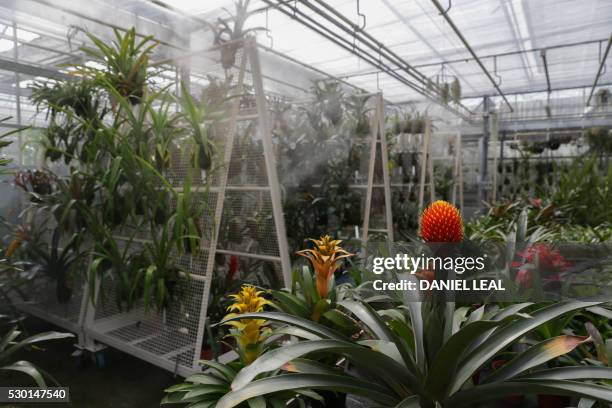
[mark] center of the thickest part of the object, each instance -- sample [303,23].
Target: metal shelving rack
[172,339]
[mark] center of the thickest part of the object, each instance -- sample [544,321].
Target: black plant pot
[204,158]
[554,144]
[159,216]
[63,291]
[228,55]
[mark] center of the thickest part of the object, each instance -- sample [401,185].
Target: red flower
[441,222]
[233,268]
[537,202]
[549,259]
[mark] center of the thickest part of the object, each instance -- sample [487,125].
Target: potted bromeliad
[250,340]
[397,363]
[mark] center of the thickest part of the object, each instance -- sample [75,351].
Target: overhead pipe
[602,64]
[299,16]
[365,37]
[469,48]
[375,60]
[488,56]
[309,22]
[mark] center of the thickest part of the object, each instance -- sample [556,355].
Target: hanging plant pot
[204,157]
[228,55]
[554,144]
[363,127]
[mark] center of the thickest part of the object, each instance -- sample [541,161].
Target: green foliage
[4,142]
[58,260]
[304,301]
[207,389]
[599,140]
[229,31]
[586,190]
[122,67]
[10,344]
[398,373]
[118,188]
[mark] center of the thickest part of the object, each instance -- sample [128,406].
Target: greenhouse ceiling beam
[10,89]
[310,67]
[536,91]
[356,50]
[515,28]
[375,60]
[95,17]
[7,64]
[488,56]
[339,20]
[423,39]
[602,64]
[469,48]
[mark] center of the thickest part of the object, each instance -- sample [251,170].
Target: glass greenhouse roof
[509,36]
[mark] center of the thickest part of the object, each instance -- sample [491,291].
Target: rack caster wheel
[82,361]
[100,359]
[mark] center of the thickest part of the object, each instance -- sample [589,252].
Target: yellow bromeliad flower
[249,333]
[248,300]
[325,259]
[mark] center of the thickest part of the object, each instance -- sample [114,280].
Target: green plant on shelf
[229,31]
[194,117]
[123,66]
[59,261]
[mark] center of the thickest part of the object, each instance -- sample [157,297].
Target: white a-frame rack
[248,194]
[378,146]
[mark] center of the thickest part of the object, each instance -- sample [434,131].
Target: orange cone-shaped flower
[441,222]
[325,259]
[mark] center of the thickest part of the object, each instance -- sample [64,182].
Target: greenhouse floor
[124,381]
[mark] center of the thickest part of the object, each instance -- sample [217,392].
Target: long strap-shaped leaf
[536,355]
[340,383]
[500,315]
[447,360]
[503,337]
[390,371]
[410,402]
[366,314]
[569,373]
[492,392]
[302,323]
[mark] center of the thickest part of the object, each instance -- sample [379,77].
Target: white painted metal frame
[457,195]
[378,138]
[426,167]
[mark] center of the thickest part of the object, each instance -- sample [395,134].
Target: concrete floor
[124,382]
